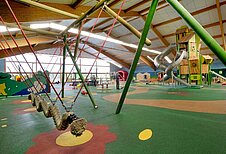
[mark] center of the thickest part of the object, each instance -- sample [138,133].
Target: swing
[63,121]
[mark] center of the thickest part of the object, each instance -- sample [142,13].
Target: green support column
[82,78]
[200,68]
[209,75]
[64,58]
[202,33]
[77,40]
[138,53]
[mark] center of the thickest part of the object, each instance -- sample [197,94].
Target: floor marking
[26,101]
[145,134]
[4,119]
[30,109]
[3,126]
[68,140]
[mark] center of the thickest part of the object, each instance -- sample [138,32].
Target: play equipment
[143,77]
[122,75]
[62,122]
[9,87]
[191,21]
[84,92]
[218,75]
[18,78]
[190,64]
[168,70]
[195,66]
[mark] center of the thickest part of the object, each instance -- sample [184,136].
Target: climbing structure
[196,66]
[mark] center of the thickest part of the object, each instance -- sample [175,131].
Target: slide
[158,61]
[218,75]
[169,72]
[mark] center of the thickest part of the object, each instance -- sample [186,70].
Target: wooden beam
[76,3]
[221,23]
[206,48]
[118,24]
[114,3]
[33,41]
[27,49]
[204,26]
[161,5]
[84,50]
[136,5]
[30,13]
[120,61]
[142,58]
[101,23]
[125,35]
[193,13]
[161,38]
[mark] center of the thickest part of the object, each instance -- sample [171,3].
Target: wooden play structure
[143,76]
[196,67]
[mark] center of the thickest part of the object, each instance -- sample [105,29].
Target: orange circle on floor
[68,140]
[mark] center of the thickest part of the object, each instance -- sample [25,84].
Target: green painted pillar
[82,78]
[63,68]
[77,40]
[202,33]
[138,53]
[209,76]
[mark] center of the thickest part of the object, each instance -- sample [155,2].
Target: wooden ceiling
[162,30]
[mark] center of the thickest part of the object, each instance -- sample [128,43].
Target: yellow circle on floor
[26,101]
[68,140]
[30,109]
[145,134]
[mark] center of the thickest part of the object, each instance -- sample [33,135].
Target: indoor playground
[112,76]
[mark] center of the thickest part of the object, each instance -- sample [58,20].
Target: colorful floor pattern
[140,128]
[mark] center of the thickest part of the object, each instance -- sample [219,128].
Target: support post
[81,77]
[202,33]
[138,53]
[63,71]
[77,40]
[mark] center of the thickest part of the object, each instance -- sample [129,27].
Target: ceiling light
[88,34]
[4,29]
[39,26]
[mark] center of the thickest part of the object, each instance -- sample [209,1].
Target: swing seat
[38,105]
[32,96]
[46,109]
[78,126]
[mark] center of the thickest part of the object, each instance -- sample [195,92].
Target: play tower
[196,67]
